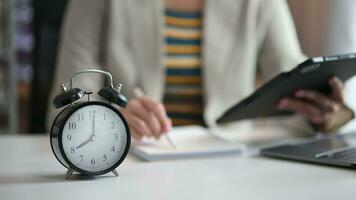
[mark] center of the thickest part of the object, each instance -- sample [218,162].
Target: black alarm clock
[90,137]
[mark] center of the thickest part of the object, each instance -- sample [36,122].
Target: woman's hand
[316,107]
[146,117]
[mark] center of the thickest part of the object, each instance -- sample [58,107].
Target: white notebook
[191,141]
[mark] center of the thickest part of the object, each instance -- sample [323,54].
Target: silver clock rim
[59,122]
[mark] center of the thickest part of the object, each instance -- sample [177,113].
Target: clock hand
[92,137]
[93,125]
[85,142]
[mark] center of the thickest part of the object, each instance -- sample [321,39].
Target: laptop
[337,150]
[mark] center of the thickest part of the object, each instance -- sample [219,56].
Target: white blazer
[125,38]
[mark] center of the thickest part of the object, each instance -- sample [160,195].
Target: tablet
[312,74]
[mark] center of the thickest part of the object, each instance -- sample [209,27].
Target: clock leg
[115,172]
[69,172]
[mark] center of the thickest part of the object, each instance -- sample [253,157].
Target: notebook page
[193,141]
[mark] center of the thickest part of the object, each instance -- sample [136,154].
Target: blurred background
[29,36]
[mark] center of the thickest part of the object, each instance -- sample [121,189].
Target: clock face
[94,138]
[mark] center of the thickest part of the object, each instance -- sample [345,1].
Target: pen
[139,93]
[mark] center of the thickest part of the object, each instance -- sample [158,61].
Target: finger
[320,100]
[151,120]
[158,129]
[139,126]
[169,122]
[135,134]
[128,115]
[337,89]
[160,112]
[313,113]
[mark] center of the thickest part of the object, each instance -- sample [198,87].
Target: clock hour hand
[91,139]
[84,143]
[92,136]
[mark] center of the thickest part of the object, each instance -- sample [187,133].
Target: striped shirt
[183,97]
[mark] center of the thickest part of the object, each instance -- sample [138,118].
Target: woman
[192,58]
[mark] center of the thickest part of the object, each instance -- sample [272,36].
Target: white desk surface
[28,170]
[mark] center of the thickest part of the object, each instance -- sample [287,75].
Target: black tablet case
[313,74]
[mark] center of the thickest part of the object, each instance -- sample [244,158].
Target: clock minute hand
[93,125]
[92,136]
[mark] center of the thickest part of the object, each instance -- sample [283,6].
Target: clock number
[112,125]
[72,150]
[116,137]
[92,162]
[105,156]
[69,137]
[113,148]
[72,125]
[80,116]
[81,158]
[104,116]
